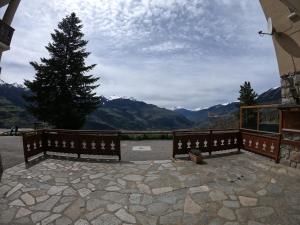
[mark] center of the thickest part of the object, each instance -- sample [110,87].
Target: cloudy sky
[188,53]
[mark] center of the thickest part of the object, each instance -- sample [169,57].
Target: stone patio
[241,189]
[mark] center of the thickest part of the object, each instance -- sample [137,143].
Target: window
[260,118]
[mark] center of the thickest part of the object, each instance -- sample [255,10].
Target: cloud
[192,53]
[165,47]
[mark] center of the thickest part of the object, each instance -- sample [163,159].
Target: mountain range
[130,114]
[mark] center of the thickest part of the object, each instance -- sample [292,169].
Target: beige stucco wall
[287,36]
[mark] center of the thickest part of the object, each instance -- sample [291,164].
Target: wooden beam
[292,143]
[258,131]
[280,121]
[257,119]
[241,118]
[291,131]
[259,106]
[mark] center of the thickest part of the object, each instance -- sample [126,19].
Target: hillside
[120,113]
[12,107]
[271,96]
[214,111]
[226,115]
[13,93]
[11,115]
[129,114]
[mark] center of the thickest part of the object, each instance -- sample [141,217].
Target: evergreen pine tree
[62,93]
[247,95]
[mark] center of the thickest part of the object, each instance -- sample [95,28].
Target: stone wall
[290,154]
[290,89]
[290,93]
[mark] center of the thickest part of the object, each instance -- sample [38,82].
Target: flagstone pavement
[243,189]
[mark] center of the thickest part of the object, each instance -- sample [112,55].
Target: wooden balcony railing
[263,143]
[71,142]
[210,141]
[108,142]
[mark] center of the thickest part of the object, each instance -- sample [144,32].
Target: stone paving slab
[240,189]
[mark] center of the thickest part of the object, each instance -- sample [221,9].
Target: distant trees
[247,95]
[62,93]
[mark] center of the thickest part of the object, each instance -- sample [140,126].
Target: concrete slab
[160,150]
[141,148]
[11,149]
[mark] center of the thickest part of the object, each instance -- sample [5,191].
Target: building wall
[290,89]
[285,15]
[287,33]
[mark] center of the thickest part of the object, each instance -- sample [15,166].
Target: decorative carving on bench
[197,144]
[264,146]
[102,145]
[188,144]
[205,143]
[222,142]
[179,144]
[93,145]
[272,148]
[84,144]
[235,141]
[215,143]
[112,145]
